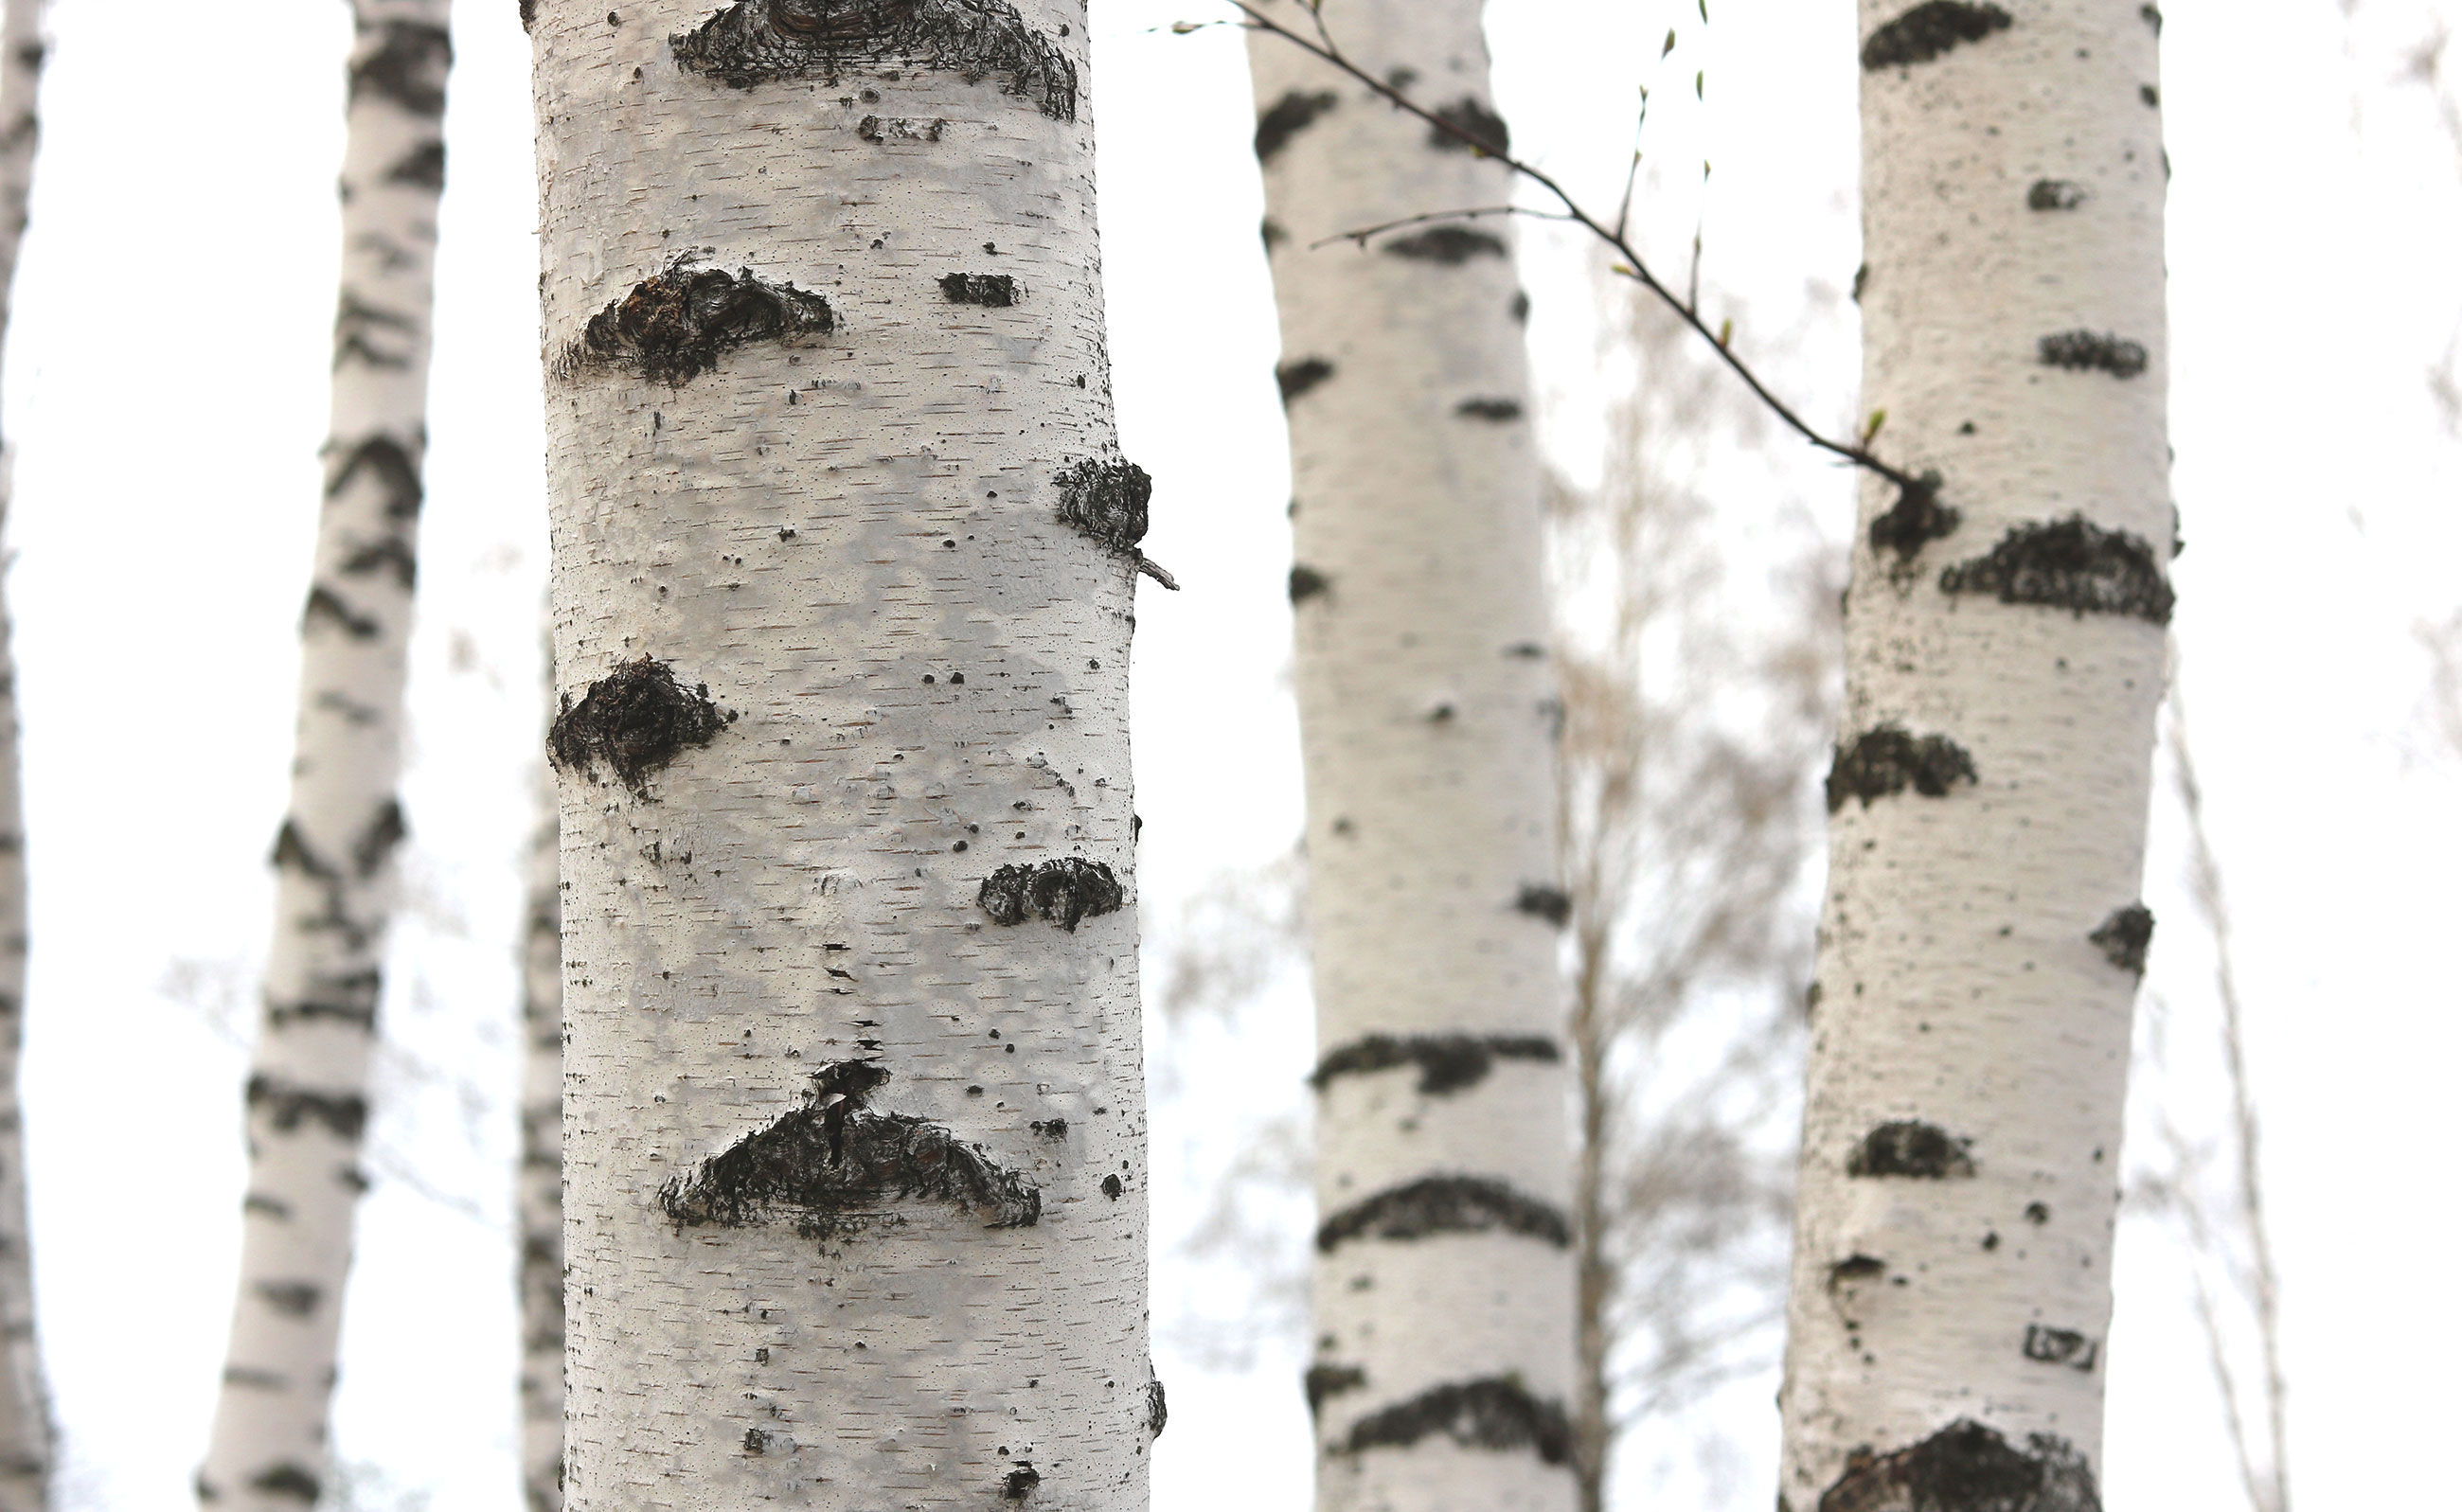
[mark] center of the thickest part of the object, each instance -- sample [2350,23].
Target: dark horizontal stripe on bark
[2070,564]
[1553,904]
[1447,1063]
[991,290]
[326,606]
[1494,1412]
[1886,760]
[757,41]
[358,330]
[2092,351]
[272,1207]
[392,554]
[292,1299]
[1449,245]
[1929,29]
[2054,194]
[1287,117]
[1909,1147]
[1295,378]
[256,1381]
[293,1481]
[421,168]
[1471,116]
[674,325]
[406,67]
[1306,583]
[2048,1346]
[288,1107]
[1497,410]
[1967,1466]
[1326,1381]
[1062,891]
[1445,1204]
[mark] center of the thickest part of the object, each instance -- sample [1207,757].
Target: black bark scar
[1909,1147]
[673,324]
[1886,760]
[1446,1063]
[1967,1467]
[634,720]
[1288,117]
[757,41]
[1927,31]
[1445,1204]
[2070,564]
[1063,890]
[2123,937]
[1496,1413]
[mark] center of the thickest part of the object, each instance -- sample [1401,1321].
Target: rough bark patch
[1450,245]
[899,128]
[1495,1412]
[672,327]
[1062,891]
[1553,904]
[756,41]
[1499,410]
[530,13]
[992,291]
[1886,760]
[1288,117]
[296,1481]
[1447,1063]
[1295,378]
[1909,1147]
[407,67]
[2092,351]
[634,720]
[835,1168]
[1967,1467]
[2124,936]
[1307,582]
[1020,1483]
[2058,1347]
[1917,518]
[1108,500]
[1472,118]
[1323,1381]
[1445,1204]
[2054,194]
[288,1107]
[1157,1410]
[2070,564]
[1927,31]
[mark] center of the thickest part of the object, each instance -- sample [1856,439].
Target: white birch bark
[844,559]
[1443,1287]
[538,1198]
[1981,938]
[26,1442]
[308,1084]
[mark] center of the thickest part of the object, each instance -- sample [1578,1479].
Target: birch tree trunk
[1982,935]
[538,1199]
[26,1442]
[1443,1287]
[844,559]
[308,1085]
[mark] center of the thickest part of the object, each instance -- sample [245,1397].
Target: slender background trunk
[1444,1283]
[844,557]
[308,1084]
[1981,936]
[538,1202]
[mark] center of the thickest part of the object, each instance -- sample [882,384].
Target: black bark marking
[1470,116]
[287,1108]
[270,1206]
[1050,1128]
[395,468]
[1520,309]
[833,1167]
[2058,1347]
[2069,564]
[423,167]
[1888,760]
[1062,891]
[899,128]
[991,290]
[2124,936]
[1917,518]
[530,13]
[323,604]
[1288,117]
[390,554]
[2153,17]
[1499,410]
[350,999]
[1551,903]
[407,67]
[292,1299]
[1270,232]
[1854,1268]
[1446,1063]
[756,41]
[1158,1411]
[287,1479]
[1445,1204]
[672,327]
[291,850]
[1967,1467]
[356,325]
[1307,582]
[1112,1187]
[1495,1412]
[2090,351]
[376,843]
[1108,500]
[1020,1483]
[1909,1147]
[634,719]
[1323,1381]
[2054,194]
[1450,245]
[1295,378]
[1927,31]
[2149,97]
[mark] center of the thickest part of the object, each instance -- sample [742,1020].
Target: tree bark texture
[1443,1287]
[843,581]
[308,1082]
[538,1198]
[1982,935]
[25,1440]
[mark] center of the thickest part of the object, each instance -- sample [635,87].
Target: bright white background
[164,394]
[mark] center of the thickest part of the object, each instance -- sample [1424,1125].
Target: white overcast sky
[165,390]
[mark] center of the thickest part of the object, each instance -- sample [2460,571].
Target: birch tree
[844,560]
[26,1444]
[1981,936]
[1443,1285]
[308,1082]
[538,1196]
